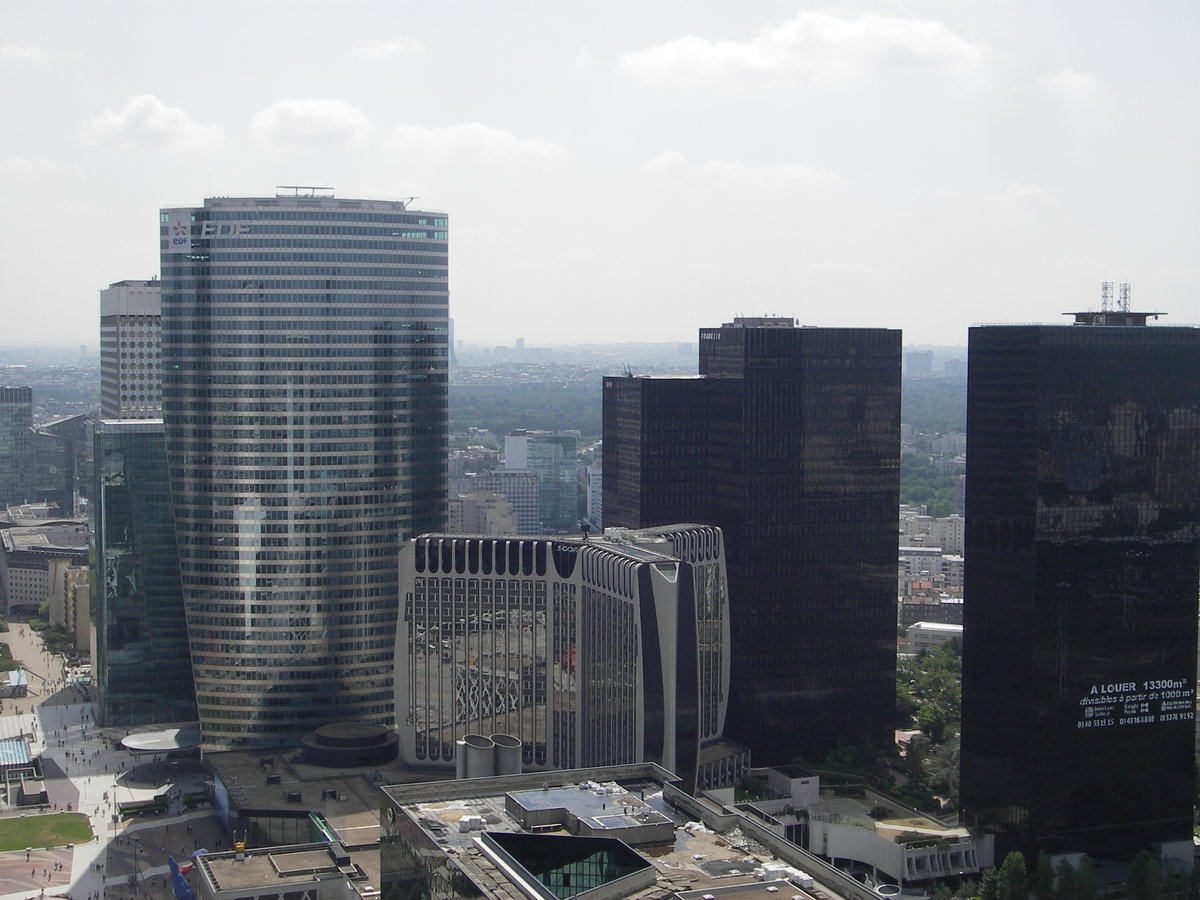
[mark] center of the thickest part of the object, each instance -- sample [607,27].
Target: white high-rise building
[130,359]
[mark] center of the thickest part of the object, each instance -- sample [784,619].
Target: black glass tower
[1082,565]
[788,442]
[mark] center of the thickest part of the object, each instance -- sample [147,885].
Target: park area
[54,830]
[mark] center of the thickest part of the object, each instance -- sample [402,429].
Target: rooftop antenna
[1106,296]
[1123,296]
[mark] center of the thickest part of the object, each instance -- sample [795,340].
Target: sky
[628,170]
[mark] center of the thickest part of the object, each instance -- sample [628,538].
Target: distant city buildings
[520,487]
[552,458]
[142,668]
[36,552]
[130,354]
[482,512]
[589,652]
[304,345]
[787,441]
[1082,553]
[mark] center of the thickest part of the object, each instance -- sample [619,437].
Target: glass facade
[788,442]
[1082,566]
[304,344]
[591,652]
[17,483]
[143,669]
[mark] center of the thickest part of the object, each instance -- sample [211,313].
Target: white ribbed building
[593,652]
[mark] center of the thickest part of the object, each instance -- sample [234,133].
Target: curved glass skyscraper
[305,403]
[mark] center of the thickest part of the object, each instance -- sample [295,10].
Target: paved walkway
[86,770]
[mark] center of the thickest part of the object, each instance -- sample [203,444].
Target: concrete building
[305,408]
[595,496]
[311,871]
[482,512]
[787,441]
[593,834]
[931,635]
[519,487]
[1083,547]
[130,358]
[35,557]
[589,652]
[891,847]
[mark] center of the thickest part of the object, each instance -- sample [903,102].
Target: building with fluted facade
[590,652]
[304,342]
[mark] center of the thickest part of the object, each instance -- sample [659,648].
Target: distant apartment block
[130,358]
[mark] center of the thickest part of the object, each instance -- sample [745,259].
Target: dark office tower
[1082,561]
[788,442]
[17,479]
[143,671]
[305,402]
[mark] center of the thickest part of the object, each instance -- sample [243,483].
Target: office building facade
[787,441]
[17,476]
[143,667]
[590,652]
[305,405]
[130,357]
[1082,559]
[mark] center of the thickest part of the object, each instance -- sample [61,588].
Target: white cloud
[1019,194]
[814,45]
[378,51]
[727,174]
[24,167]
[305,121]
[475,140]
[1069,86]
[148,121]
[31,54]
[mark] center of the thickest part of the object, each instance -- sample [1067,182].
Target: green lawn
[52,830]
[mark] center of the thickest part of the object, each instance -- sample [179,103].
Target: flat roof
[696,858]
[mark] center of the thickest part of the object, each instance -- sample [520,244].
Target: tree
[1144,882]
[1085,881]
[1068,882]
[989,887]
[1043,878]
[1014,878]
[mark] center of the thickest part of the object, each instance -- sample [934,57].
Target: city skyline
[929,166]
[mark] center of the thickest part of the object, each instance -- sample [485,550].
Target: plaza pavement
[86,770]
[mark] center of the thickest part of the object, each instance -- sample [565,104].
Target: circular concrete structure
[348,744]
[186,738]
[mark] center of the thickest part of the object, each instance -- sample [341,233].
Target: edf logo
[223,229]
